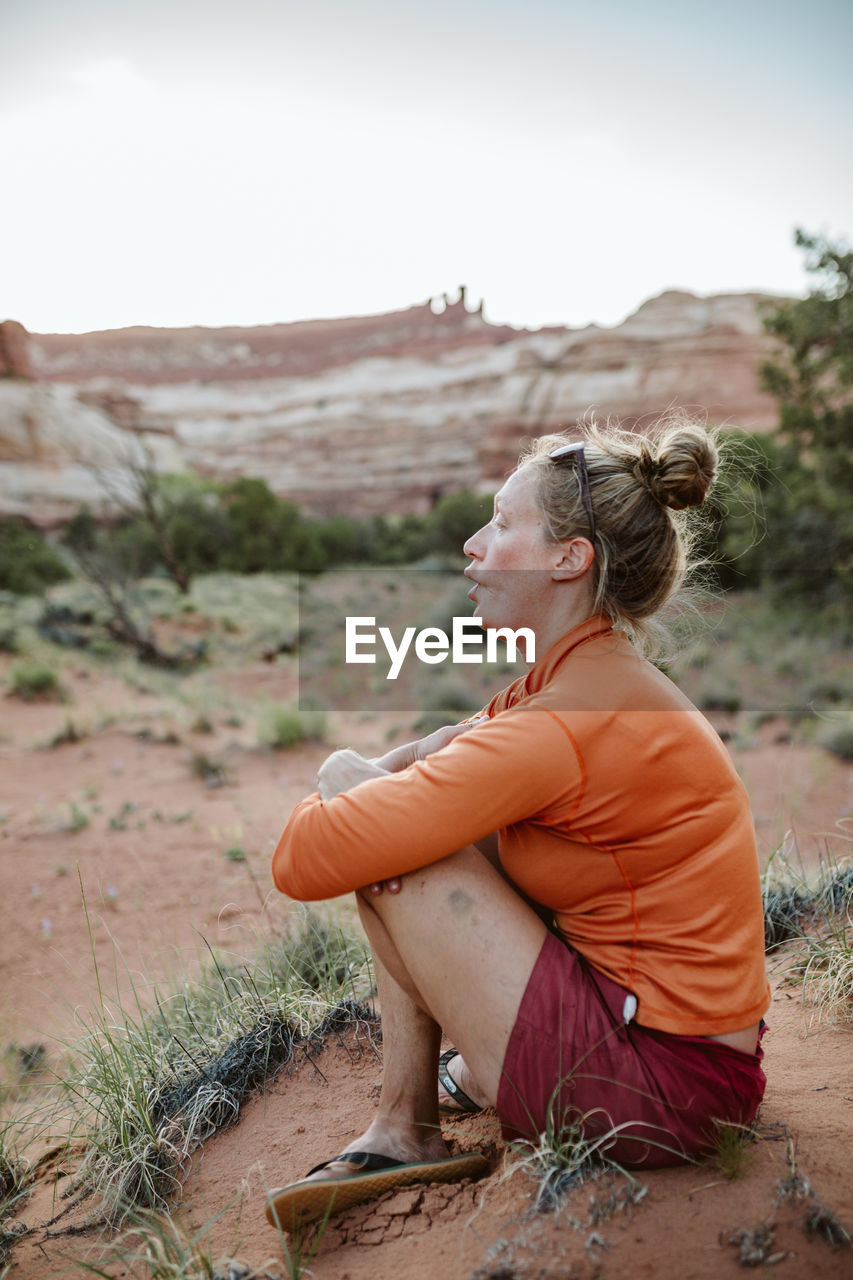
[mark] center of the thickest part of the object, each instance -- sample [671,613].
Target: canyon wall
[378,413]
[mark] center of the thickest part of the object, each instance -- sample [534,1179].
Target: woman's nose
[473,547]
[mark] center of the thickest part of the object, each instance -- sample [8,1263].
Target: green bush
[244,528]
[28,564]
[31,682]
[262,530]
[284,727]
[454,518]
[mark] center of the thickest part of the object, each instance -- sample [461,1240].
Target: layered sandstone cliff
[369,414]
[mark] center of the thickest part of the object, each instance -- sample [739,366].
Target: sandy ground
[150,861]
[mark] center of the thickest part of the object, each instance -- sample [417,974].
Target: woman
[590,794]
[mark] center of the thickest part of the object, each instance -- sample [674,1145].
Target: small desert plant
[755,1244]
[828,969]
[818,1219]
[284,727]
[78,819]
[818,913]
[34,681]
[69,733]
[730,1145]
[212,772]
[119,820]
[162,1249]
[786,899]
[156,1243]
[566,1156]
[235,854]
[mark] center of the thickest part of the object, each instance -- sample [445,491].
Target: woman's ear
[577,556]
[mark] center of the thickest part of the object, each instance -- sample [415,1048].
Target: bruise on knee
[460,902]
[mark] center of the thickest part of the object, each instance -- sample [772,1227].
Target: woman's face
[512,559]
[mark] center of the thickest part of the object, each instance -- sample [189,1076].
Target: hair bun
[681,469]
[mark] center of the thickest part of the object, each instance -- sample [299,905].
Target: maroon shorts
[572,1060]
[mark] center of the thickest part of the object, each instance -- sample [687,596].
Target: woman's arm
[384,825]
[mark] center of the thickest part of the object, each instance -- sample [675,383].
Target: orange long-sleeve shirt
[616,805]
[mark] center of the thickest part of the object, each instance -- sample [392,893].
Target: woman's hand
[401,757]
[443,737]
[343,770]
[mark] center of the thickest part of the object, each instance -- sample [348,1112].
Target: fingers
[444,736]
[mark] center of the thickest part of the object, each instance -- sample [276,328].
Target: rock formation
[15,359]
[377,413]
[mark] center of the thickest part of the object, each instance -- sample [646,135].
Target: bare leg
[457,940]
[386,959]
[406,1126]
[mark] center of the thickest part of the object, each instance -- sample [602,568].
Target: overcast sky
[180,162]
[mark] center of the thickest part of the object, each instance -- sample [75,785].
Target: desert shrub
[283,727]
[454,518]
[235,853]
[212,772]
[34,681]
[28,563]
[262,530]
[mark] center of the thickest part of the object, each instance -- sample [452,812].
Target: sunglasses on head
[575,453]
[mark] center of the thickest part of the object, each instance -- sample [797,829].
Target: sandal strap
[365,1161]
[450,1086]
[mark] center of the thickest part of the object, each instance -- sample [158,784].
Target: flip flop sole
[305,1201]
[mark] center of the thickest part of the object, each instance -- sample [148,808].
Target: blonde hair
[640,487]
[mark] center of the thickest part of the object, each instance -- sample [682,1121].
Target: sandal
[303,1202]
[465,1105]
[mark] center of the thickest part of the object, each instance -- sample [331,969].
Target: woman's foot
[458,1091]
[320,1195]
[406,1143]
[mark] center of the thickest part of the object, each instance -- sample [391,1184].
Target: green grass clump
[235,854]
[78,818]
[563,1158]
[147,1086]
[34,681]
[730,1148]
[160,1249]
[283,727]
[818,914]
[828,969]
